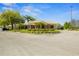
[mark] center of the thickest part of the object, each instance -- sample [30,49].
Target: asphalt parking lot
[65,43]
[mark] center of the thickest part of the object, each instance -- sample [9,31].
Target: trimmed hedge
[37,31]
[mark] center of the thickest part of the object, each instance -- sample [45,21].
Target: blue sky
[55,12]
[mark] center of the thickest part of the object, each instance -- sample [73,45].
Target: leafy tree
[29,18]
[12,17]
[3,22]
[40,24]
[67,25]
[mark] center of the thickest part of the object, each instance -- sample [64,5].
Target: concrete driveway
[22,44]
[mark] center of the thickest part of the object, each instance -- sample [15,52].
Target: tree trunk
[4,26]
[15,26]
[12,26]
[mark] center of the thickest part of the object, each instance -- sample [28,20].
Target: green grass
[37,31]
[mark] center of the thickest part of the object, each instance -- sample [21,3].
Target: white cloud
[8,4]
[34,14]
[27,8]
[38,10]
[7,8]
[31,10]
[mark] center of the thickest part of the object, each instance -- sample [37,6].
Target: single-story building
[40,25]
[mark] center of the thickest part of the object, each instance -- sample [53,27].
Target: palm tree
[29,18]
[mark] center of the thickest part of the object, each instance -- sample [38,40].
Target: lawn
[37,31]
